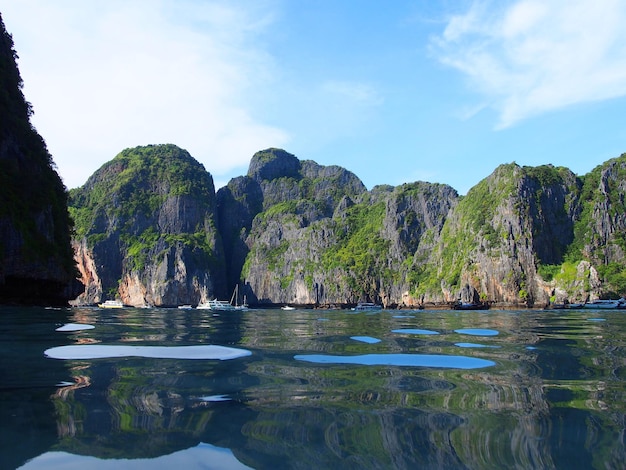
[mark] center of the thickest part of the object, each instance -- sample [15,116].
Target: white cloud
[103,76]
[530,57]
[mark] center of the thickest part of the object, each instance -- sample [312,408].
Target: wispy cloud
[533,56]
[103,76]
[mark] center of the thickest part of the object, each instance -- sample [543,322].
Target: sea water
[270,389]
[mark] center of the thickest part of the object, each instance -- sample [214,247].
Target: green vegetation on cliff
[144,203]
[600,230]
[603,190]
[510,225]
[472,228]
[361,252]
[136,184]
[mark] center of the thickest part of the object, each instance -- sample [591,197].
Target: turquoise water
[303,389]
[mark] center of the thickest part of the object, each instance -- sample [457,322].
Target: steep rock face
[605,187]
[325,240]
[599,244]
[272,164]
[146,221]
[285,179]
[328,185]
[88,273]
[37,264]
[414,217]
[284,186]
[297,199]
[499,233]
[238,203]
[548,199]
[513,239]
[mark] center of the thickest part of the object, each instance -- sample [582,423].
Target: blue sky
[439,91]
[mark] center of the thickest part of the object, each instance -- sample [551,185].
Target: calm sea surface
[311,389]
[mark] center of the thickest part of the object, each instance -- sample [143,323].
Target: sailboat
[224,305]
[234,300]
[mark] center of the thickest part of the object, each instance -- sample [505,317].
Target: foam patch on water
[413,360]
[365,339]
[413,331]
[100,351]
[75,327]
[477,332]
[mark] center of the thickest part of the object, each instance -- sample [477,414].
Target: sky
[441,91]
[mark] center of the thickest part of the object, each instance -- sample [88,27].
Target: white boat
[287,307]
[111,304]
[219,305]
[606,304]
[367,307]
[185,307]
[225,305]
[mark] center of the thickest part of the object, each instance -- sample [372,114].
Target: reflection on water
[101,351]
[414,331]
[311,389]
[476,345]
[366,339]
[477,332]
[200,456]
[407,360]
[74,327]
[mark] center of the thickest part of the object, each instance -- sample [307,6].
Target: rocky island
[151,230]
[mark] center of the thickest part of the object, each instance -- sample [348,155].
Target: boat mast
[235,296]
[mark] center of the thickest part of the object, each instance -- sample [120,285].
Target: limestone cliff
[237,205]
[151,230]
[36,265]
[313,235]
[147,230]
[279,199]
[603,228]
[319,237]
[533,235]
[596,264]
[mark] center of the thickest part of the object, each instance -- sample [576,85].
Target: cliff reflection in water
[553,399]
